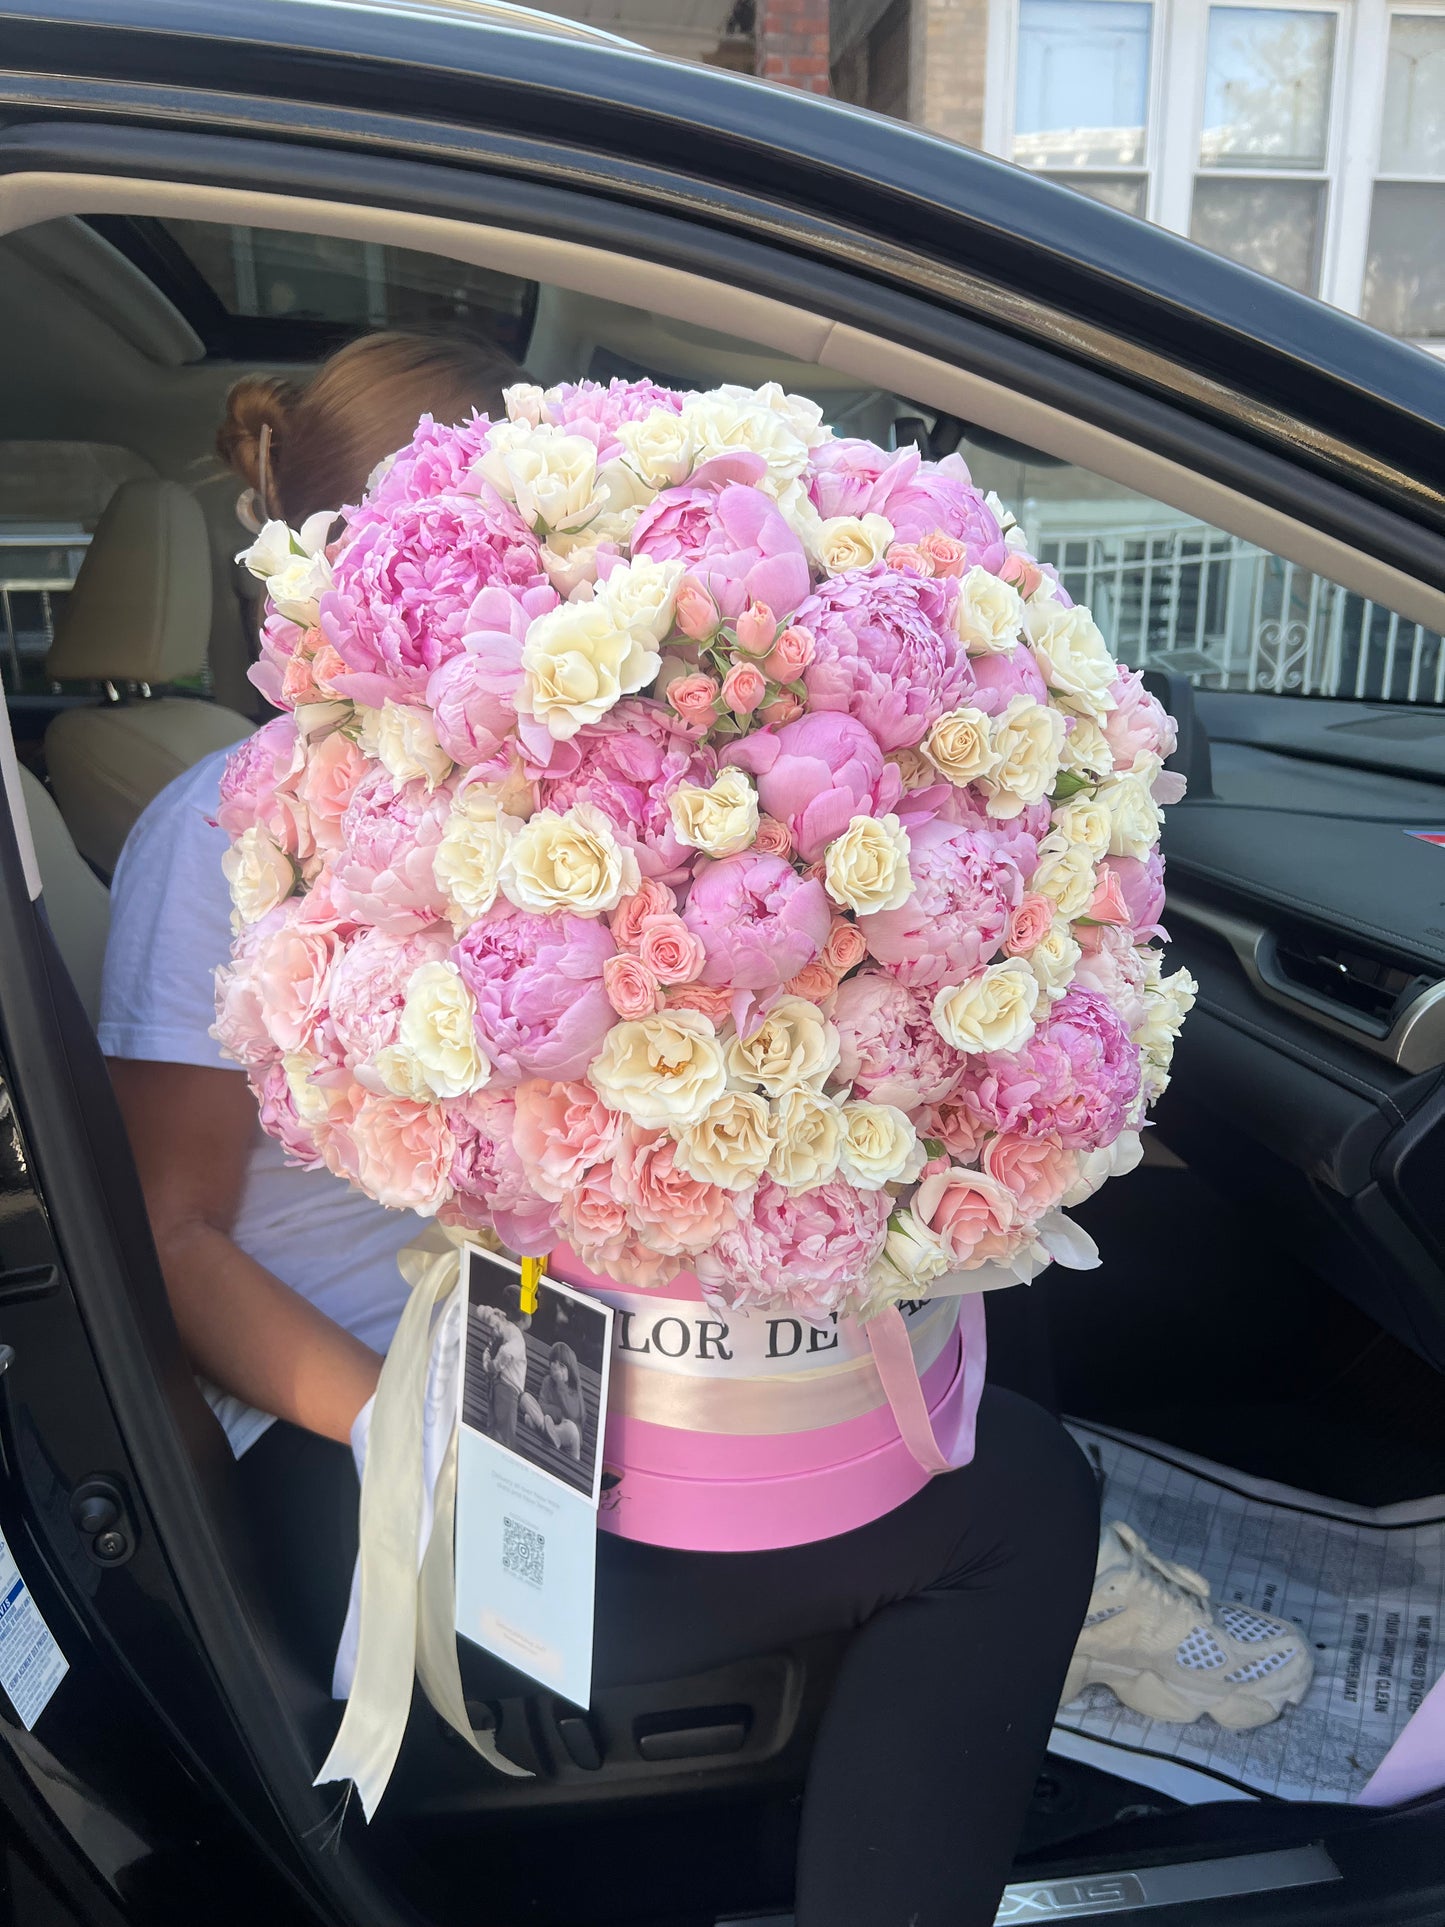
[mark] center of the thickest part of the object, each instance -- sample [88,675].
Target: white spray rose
[960,746]
[260,874]
[438,1028]
[1026,738]
[1083,824]
[993,1011]
[468,860]
[1134,816]
[1086,750]
[639,596]
[988,614]
[578,664]
[730,1144]
[880,1146]
[866,868]
[312,1101]
[808,1133]
[525,402]
[795,1044]
[719,422]
[659,448]
[1065,872]
[570,861]
[851,541]
[911,1259]
[1072,656]
[720,820]
[550,476]
[1054,959]
[664,1072]
[407,745]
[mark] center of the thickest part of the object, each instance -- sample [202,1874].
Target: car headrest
[140,610]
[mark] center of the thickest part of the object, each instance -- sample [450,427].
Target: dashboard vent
[1372,988]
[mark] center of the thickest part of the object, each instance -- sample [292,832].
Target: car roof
[890,201]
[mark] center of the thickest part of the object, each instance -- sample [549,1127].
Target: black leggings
[966,1603]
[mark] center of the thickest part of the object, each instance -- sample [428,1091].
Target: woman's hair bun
[255,402]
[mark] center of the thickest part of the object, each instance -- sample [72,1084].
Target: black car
[1249,489]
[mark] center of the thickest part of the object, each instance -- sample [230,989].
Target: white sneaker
[1156,1640]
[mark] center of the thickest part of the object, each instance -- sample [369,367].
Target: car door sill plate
[1133,1889]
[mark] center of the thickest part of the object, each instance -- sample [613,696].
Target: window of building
[1405,261]
[1081,99]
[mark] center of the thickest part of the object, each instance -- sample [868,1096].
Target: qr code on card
[523,1550]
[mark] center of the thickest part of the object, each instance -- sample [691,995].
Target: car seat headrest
[140,610]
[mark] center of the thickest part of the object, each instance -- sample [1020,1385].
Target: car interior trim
[27,198]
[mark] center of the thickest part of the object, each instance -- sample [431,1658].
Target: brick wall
[792,43]
[950,46]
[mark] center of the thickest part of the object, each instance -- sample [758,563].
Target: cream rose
[525,401]
[438,1028]
[1054,959]
[803,416]
[399,1074]
[1083,824]
[1134,816]
[730,1144]
[960,746]
[1167,1002]
[880,1146]
[468,859]
[719,820]
[578,663]
[1027,738]
[312,1101]
[1073,657]
[568,862]
[260,874]
[795,1044]
[1086,750]
[639,596]
[911,1258]
[808,1134]
[866,868]
[408,748]
[665,1072]
[851,541]
[993,1011]
[1066,874]
[988,614]
[659,448]
[551,477]
[571,560]
[293,565]
[718,422]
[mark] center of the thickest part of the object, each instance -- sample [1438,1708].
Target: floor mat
[1367,1586]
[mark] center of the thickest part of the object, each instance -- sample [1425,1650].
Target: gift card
[529,1472]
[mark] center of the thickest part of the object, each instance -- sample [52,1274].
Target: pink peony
[280,1118]
[1141,890]
[1138,725]
[632,989]
[919,498]
[404,1153]
[438,460]
[1016,837]
[258,787]
[997,679]
[735,543]
[405,580]
[629,764]
[671,1213]
[594,408]
[757,921]
[542,1010]
[560,1130]
[472,695]
[1076,1079]
[492,1180]
[240,1026]
[627,920]
[384,875]
[961,1132]
[1036,1170]
[805,1251]
[1112,965]
[815,775]
[976,1216]
[886,652]
[368,984]
[292,975]
[965,886]
[891,1052]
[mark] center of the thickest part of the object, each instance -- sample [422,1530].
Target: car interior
[1271,1296]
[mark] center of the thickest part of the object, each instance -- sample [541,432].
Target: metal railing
[1228,615]
[37,566]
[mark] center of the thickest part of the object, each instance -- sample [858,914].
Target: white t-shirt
[170,925]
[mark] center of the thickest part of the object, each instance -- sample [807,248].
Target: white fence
[1231,616]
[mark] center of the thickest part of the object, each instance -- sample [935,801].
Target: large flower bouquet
[704,840]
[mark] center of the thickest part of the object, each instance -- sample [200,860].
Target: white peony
[960,746]
[988,614]
[570,861]
[880,1146]
[1072,655]
[1026,738]
[639,596]
[993,1011]
[468,859]
[578,664]
[794,1044]
[866,868]
[664,1072]
[851,541]
[730,1144]
[720,820]
[260,874]
[808,1139]
[407,745]
[438,1028]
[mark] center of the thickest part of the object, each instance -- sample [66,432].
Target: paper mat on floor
[1368,1587]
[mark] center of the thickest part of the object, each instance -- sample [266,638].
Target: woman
[558,1408]
[965,1601]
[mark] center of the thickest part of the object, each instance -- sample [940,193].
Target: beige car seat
[75,899]
[139,616]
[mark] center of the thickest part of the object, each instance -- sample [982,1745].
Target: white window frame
[1179,40]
